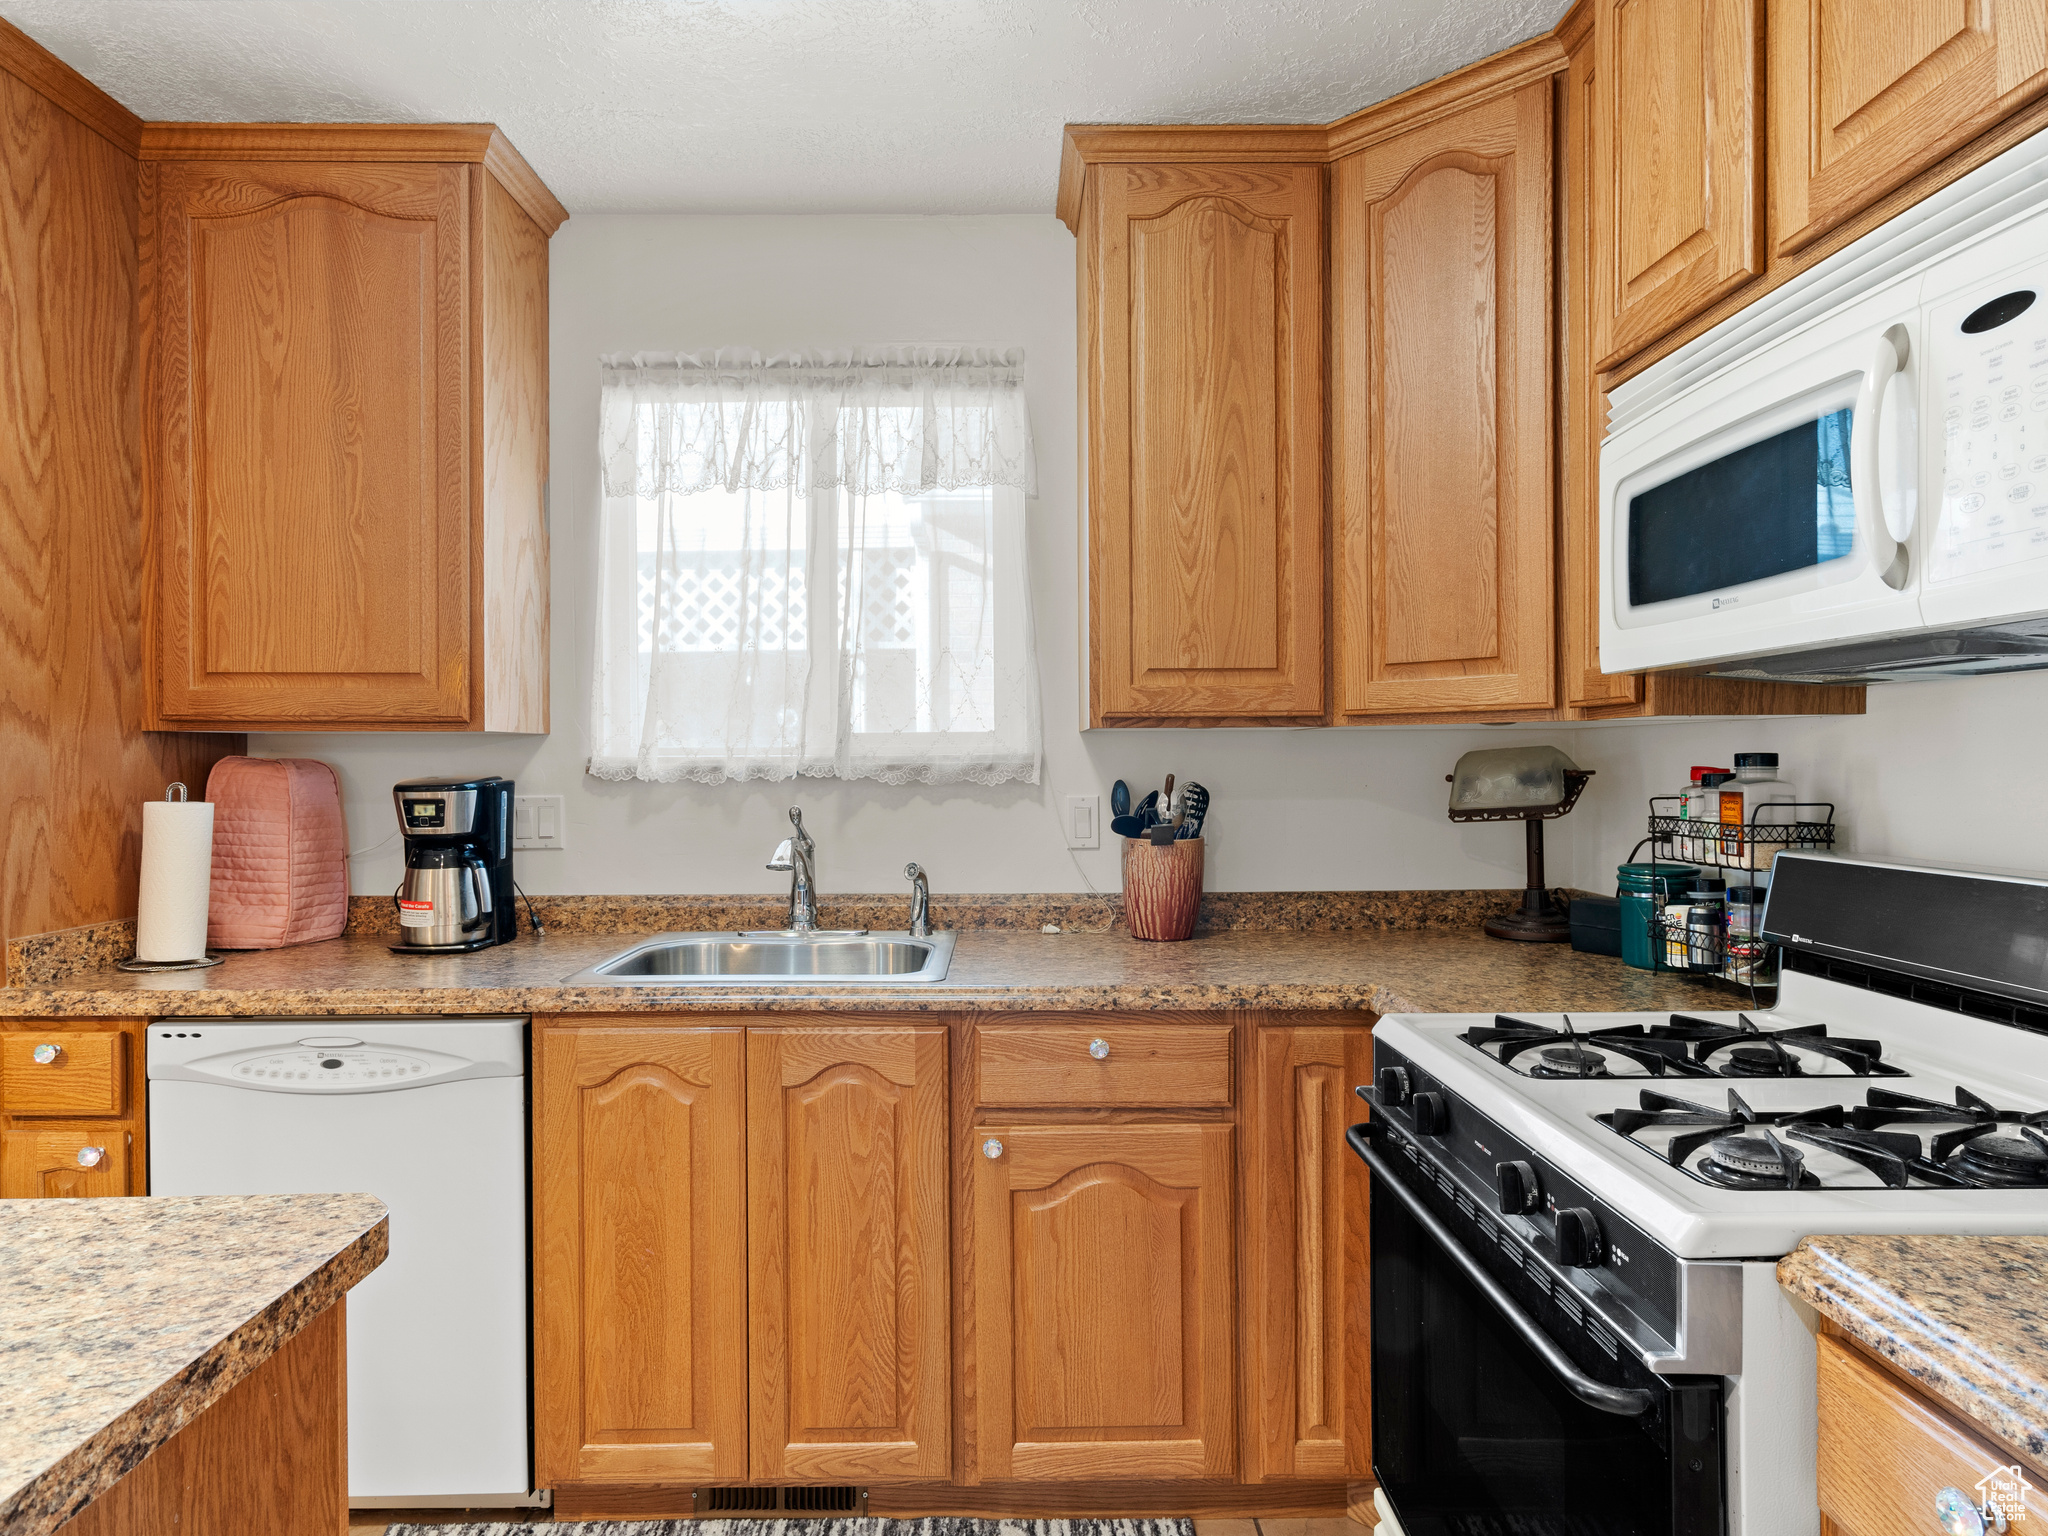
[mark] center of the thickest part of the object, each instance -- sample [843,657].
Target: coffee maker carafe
[457,892]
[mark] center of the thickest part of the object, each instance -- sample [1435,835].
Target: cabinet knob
[47,1053]
[1956,1514]
[1099,1048]
[91,1157]
[991,1149]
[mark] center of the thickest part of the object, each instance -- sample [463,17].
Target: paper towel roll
[177,873]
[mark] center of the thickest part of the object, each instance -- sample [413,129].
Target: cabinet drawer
[84,1076]
[1106,1064]
[39,1165]
[1886,1452]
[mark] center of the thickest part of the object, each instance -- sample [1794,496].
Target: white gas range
[1576,1221]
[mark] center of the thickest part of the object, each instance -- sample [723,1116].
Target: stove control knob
[1431,1118]
[1520,1193]
[1578,1239]
[1393,1087]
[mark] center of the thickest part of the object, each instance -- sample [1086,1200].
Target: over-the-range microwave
[1847,481]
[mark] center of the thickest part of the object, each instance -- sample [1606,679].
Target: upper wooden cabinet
[345,426]
[1440,399]
[1202,335]
[1676,186]
[1866,94]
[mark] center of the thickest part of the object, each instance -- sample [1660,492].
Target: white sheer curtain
[815,565]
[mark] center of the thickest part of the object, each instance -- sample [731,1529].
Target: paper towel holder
[181,795]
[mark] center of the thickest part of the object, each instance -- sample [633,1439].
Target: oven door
[1772,507]
[1492,1415]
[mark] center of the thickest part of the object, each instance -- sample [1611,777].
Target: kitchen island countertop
[993,970]
[122,1320]
[1965,1317]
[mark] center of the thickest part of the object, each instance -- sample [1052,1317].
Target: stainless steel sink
[781,959]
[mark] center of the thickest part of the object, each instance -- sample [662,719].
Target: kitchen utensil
[1162,834]
[1120,799]
[1194,805]
[1148,809]
[1166,800]
[1127,826]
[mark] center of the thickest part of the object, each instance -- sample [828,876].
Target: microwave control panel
[1993,371]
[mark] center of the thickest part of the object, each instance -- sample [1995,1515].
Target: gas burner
[1569,1061]
[1989,1147]
[2001,1160]
[1805,1051]
[1754,1162]
[1771,1060]
[1629,1050]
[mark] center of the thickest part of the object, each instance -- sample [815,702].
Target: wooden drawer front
[40,1165]
[1885,1452]
[1146,1064]
[84,1079]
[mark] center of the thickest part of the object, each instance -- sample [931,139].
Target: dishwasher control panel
[316,1057]
[335,1067]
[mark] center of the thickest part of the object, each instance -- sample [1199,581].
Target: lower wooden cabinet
[846,1244]
[640,1257]
[1103,1302]
[756,1242]
[71,1098]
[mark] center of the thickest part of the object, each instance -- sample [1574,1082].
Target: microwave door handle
[1888,356]
[1627,1402]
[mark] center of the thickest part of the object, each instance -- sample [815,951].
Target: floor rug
[937,1525]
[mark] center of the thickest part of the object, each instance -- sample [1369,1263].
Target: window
[815,568]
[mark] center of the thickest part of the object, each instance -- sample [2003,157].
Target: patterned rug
[942,1525]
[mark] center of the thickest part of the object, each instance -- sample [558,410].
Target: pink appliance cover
[280,853]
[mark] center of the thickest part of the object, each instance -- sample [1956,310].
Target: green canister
[1643,889]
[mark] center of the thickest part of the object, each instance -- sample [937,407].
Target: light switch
[538,821]
[1084,818]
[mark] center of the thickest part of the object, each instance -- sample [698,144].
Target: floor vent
[844,1499]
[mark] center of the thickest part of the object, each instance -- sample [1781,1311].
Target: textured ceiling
[892,106]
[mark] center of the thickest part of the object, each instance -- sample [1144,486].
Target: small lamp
[1530,785]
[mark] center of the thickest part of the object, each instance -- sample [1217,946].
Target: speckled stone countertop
[1430,971]
[122,1320]
[1966,1317]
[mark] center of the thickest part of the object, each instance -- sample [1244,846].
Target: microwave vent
[2020,647]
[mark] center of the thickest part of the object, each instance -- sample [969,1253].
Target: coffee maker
[457,894]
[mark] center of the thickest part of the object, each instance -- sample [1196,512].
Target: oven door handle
[1628,1402]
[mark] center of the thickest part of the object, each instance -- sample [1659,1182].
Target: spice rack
[1740,960]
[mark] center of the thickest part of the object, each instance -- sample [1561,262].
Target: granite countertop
[121,1320]
[1427,971]
[1966,1317]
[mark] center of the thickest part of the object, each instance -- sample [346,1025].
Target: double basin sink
[774,958]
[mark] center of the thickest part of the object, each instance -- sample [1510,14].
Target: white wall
[1319,810]
[1935,769]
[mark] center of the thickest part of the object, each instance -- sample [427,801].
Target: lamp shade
[1512,780]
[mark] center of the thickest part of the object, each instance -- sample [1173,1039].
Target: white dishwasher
[428,1115]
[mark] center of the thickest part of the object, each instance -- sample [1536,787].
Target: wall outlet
[538,821]
[1084,821]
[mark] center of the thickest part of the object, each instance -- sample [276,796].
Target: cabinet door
[1308,1301]
[1865,94]
[846,1243]
[640,1256]
[306,344]
[1677,190]
[1205,444]
[1102,1302]
[64,1164]
[1442,410]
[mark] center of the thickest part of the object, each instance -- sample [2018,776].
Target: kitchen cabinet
[1102,1301]
[344,342]
[640,1255]
[847,1241]
[1440,391]
[1866,94]
[1308,1299]
[1202,339]
[71,1109]
[1887,1451]
[1677,182]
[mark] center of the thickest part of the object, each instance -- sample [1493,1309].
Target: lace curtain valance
[815,565]
[910,420]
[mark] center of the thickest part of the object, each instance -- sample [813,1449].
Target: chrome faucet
[920,902]
[796,854]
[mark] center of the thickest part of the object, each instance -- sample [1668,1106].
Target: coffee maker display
[457,893]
